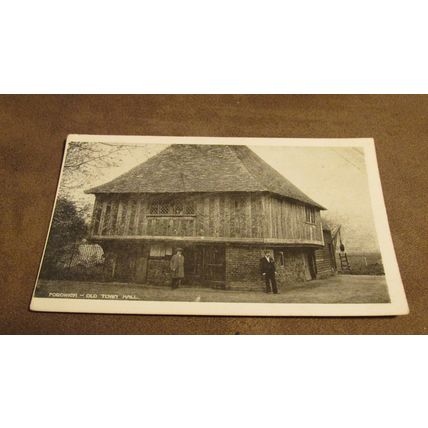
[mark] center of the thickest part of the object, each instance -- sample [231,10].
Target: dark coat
[267,267]
[177,266]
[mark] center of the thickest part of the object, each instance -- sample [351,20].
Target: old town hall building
[221,203]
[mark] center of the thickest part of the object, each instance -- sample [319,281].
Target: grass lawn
[336,289]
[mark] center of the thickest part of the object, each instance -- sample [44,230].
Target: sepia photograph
[239,226]
[214,214]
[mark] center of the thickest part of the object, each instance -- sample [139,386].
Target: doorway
[131,264]
[310,265]
[205,265]
[125,267]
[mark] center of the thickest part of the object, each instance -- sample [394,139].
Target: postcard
[219,226]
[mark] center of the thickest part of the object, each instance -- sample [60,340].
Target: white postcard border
[397,306]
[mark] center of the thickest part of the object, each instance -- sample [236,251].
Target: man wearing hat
[267,269]
[177,268]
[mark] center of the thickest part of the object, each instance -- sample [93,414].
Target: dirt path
[337,289]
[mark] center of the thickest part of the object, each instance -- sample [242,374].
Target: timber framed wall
[222,217]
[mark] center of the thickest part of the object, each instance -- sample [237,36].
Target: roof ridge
[278,176]
[243,164]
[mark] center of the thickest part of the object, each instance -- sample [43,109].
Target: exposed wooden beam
[285,242]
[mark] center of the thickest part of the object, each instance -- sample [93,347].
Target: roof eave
[97,190]
[313,204]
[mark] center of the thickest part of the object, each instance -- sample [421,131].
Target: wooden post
[127,217]
[119,229]
[113,216]
[264,217]
[143,220]
[206,216]
[248,218]
[280,220]
[103,213]
[269,216]
[110,217]
[274,214]
[227,216]
[211,208]
[137,216]
[94,215]
[216,215]
[221,216]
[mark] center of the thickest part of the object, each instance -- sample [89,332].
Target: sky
[334,177]
[337,179]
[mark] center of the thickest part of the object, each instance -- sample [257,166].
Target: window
[160,251]
[164,208]
[279,258]
[189,208]
[172,208]
[310,214]
[154,208]
[178,208]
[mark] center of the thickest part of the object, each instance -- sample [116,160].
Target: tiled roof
[204,168]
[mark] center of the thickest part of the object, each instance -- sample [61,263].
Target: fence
[79,261]
[365,264]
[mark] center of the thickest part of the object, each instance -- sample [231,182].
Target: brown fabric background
[32,133]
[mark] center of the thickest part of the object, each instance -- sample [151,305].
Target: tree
[68,227]
[85,161]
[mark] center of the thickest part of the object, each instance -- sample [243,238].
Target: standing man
[177,268]
[267,269]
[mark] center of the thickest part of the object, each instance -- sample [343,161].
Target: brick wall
[293,270]
[243,268]
[158,272]
[242,263]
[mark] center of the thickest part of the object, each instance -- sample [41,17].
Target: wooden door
[214,265]
[204,265]
[310,265]
[141,265]
[193,264]
[308,276]
[125,266]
